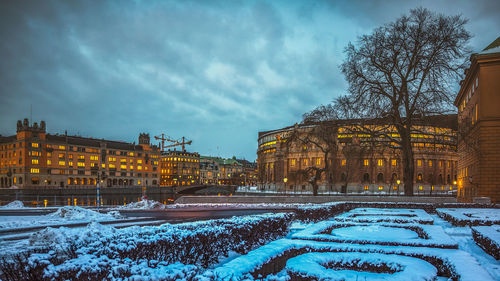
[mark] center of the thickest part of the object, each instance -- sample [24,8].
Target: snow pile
[14,205]
[144,204]
[463,216]
[75,213]
[371,215]
[359,266]
[378,233]
[451,263]
[488,238]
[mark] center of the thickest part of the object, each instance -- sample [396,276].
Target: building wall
[478,103]
[34,158]
[180,168]
[376,171]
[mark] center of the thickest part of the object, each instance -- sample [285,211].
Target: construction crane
[163,138]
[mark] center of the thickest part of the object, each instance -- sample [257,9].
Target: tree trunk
[408,161]
[315,189]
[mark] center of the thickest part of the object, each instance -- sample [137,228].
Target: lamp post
[98,199]
[398,182]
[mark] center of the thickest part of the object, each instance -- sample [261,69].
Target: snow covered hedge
[272,258]
[470,216]
[488,238]
[313,213]
[102,252]
[359,266]
[415,235]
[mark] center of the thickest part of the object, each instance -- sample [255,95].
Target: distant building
[34,158]
[478,103]
[179,168]
[227,171]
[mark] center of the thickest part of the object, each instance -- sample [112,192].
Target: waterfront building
[33,157]
[478,103]
[361,164]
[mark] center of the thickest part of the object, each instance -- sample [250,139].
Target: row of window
[366,162]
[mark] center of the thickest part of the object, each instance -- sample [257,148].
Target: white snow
[472,216]
[385,215]
[63,215]
[144,204]
[318,266]
[14,205]
[377,233]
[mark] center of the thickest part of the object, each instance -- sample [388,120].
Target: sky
[216,72]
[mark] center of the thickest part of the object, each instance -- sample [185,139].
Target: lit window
[420,188]
[430,163]
[62,147]
[35,171]
[139,167]
[366,187]
[61,155]
[139,161]
[380,162]
[82,157]
[81,164]
[343,162]
[34,144]
[419,163]
[49,162]
[112,166]
[318,161]
[103,165]
[292,162]
[366,162]
[34,161]
[395,187]
[394,162]
[94,157]
[62,163]
[380,188]
[123,167]
[131,167]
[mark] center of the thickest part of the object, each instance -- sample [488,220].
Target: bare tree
[318,131]
[403,72]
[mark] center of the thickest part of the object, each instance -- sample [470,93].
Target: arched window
[380,177]
[366,177]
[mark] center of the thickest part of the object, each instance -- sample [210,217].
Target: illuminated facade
[179,168]
[34,158]
[478,103]
[374,170]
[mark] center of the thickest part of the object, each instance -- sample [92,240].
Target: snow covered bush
[392,234]
[14,205]
[359,266]
[271,260]
[372,215]
[102,252]
[470,216]
[488,238]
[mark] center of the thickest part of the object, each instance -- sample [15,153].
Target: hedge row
[486,243]
[328,210]
[125,253]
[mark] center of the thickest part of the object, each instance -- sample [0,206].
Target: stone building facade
[33,157]
[478,103]
[361,170]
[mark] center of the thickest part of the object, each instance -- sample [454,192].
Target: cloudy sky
[217,72]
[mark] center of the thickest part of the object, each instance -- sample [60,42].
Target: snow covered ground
[362,244]
[67,214]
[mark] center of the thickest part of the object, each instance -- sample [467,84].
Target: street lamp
[398,182]
[284,183]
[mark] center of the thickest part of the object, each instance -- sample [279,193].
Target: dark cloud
[215,72]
